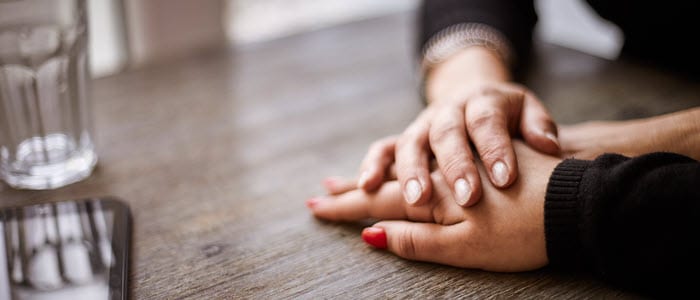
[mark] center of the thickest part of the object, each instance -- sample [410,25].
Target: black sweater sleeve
[514,19]
[632,221]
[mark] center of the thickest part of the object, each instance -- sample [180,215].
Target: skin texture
[441,231]
[472,102]
[484,236]
[677,132]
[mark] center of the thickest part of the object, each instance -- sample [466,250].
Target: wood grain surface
[216,155]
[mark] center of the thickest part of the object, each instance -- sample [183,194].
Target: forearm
[677,132]
[632,221]
[467,42]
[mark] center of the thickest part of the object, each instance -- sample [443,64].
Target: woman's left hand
[677,132]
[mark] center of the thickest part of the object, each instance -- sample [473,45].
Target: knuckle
[473,236]
[487,90]
[406,246]
[453,168]
[416,128]
[408,142]
[493,151]
[515,88]
[406,171]
[444,132]
[403,171]
[484,118]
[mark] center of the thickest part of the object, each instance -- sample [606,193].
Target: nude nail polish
[462,191]
[413,191]
[550,136]
[499,170]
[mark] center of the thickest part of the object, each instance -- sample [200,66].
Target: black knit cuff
[562,209]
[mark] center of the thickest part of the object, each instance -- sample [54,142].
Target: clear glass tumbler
[45,116]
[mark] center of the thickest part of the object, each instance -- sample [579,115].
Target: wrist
[562,214]
[462,72]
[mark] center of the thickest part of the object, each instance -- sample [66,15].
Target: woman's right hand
[471,103]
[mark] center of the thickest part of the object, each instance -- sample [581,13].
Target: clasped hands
[504,230]
[465,183]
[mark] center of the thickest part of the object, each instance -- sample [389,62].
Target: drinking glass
[46,138]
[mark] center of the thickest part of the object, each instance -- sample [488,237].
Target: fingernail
[363,178]
[330,182]
[374,236]
[552,138]
[312,202]
[500,173]
[462,191]
[413,191]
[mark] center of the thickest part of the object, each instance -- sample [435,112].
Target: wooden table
[216,155]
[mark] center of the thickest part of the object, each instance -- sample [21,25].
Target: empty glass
[45,118]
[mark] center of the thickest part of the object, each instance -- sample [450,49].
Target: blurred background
[130,33]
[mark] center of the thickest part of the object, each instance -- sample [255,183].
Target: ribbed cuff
[458,37]
[562,209]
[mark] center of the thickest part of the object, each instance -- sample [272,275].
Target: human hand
[590,139]
[486,111]
[505,232]
[677,132]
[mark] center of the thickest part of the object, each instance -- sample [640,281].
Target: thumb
[538,127]
[410,240]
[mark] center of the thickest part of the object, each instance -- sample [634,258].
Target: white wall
[259,20]
[569,23]
[573,24]
[107,49]
[165,30]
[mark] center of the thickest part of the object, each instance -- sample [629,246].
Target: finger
[488,118]
[575,139]
[418,241]
[537,127]
[448,140]
[386,203]
[391,174]
[412,168]
[337,185]
[379,157]
[570,143]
